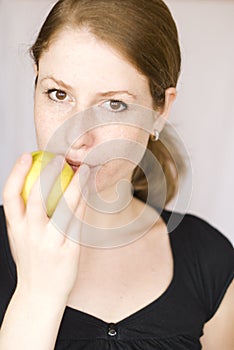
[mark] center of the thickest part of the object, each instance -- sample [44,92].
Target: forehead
[77,55]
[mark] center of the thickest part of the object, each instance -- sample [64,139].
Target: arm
[47,261]
[219,330]
[31,322]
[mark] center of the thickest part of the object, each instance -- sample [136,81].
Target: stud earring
[155,136]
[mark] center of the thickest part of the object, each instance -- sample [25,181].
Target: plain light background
[203,113]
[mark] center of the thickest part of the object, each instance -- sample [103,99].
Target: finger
[13,202]
[70,200]
[77,223]
[37,199]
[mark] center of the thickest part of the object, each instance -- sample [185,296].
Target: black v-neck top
[203,270]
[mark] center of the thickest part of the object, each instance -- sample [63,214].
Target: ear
[36,74]
[35,69]
[162,116]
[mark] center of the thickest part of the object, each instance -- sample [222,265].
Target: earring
[155,136]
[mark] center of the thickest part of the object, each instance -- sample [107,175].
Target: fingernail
[25,158]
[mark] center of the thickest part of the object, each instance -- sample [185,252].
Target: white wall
[203,113]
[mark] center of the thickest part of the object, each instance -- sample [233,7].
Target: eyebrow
[101,94]
[112,93]
[58,82]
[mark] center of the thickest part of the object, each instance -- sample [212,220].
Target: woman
[161,291]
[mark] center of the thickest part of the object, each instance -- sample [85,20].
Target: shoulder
[204,243]
[3,229]
[6,257]
[2,216]
[8,278]
[208,254]
[198,234]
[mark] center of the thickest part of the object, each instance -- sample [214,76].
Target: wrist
[35,299]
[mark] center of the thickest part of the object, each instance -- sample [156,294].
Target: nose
[82,141]
[77,129]
[78,150]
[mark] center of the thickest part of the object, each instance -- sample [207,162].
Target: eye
[58,95]
[115,105]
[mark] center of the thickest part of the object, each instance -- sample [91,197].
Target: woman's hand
[46,259]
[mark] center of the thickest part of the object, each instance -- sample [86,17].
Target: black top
[203,270]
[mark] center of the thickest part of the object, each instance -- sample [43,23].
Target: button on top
[112,331]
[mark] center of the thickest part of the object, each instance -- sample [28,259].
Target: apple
[40,160]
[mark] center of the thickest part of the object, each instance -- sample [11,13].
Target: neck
[110,208]
[115,222]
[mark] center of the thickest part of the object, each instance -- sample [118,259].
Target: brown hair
[145,33]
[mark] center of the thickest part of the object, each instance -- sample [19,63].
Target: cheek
[39,120]
[44,133]
[137,135]
[124,132]
[45,123]
[122,159]
[42,127]
[120,146]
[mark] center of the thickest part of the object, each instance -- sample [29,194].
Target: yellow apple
[40,160]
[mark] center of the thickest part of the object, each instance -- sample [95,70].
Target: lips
[74,165]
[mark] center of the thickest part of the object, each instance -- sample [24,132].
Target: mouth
[75,165]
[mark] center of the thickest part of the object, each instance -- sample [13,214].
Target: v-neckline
[165,215]
[140,312]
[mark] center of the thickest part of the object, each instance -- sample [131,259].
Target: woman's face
[76,73]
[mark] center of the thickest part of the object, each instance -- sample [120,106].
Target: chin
[106,185]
